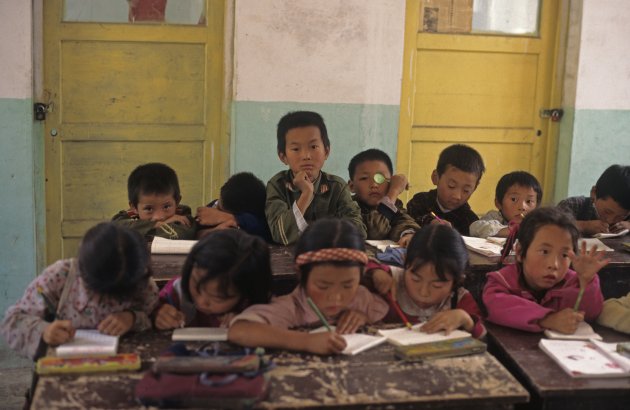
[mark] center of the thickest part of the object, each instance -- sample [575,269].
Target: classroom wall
[595,132]
[340,58]
[20,155]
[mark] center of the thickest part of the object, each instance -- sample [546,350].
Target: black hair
[300,119]
[328,233]
[462,157]
[113,260]
[152,178]
[522,178]
[443,247]
[540,217]
[244,193]
[371,154]
[236,259]
[615,183]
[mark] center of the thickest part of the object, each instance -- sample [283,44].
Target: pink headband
[332,255]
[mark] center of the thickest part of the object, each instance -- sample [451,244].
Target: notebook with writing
[586,358]
[483,246]
[356,342]
[88,343]
[406,337]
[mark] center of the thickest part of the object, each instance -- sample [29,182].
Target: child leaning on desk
[154,208]
[330,258]
[110,288]
[224,272]
[540,291]
[430,288]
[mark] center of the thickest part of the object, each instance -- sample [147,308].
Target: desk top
[306,381]
[542,374]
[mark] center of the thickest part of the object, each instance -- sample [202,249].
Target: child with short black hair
[304,193]
[457,175]
[607,209]
[331,258]
[225,272]
[376,190]
[430,287]
[241,205]
[540,291]
[109,288]
[517,193]
[154,204]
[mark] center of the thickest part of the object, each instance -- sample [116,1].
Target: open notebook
[583,332]
[356,342]
[88,343]
[587,358]
[610,234]
[210,334]
[163,245]
[406,337]
[483,246]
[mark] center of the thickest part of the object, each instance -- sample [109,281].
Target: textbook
[587,358]
[483,246]
[604,235]
[406,337]
[356,342]
[210,334]
[590,242]
[441,349]
[57,365]
[583,332]
[382,245]
[163,245]
[88,343]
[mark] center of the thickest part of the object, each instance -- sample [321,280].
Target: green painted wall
[351,129]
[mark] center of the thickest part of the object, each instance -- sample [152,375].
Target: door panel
[122,95]
[482,90]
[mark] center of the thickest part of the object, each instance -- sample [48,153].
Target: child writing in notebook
[108,287]
[540,291]
[224,272]
[330,257]
[430,287]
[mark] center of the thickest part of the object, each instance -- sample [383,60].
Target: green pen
[318,313]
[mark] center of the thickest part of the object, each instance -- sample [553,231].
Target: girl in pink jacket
[540,291]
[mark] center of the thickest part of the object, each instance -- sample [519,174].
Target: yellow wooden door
[122,95]
[482,90]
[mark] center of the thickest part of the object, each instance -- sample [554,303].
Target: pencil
[169,300]
[49,305]
[318,313]
[579,299]
[398,310]
[435,216]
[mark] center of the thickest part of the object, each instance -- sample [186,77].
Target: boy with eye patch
[154,204]
[376,191]
[517,193]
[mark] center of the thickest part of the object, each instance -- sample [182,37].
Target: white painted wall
[324,51]
[16,69]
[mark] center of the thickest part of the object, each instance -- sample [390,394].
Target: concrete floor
[15,378]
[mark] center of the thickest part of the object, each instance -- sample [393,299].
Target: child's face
[547,260]
[517,201]
[155,207]
[208,299]
[454,187]
[608,209]
[332,287]
[363,185]
[425,287]
[304,151]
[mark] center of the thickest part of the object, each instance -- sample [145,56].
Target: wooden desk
[550,387]
[370,379]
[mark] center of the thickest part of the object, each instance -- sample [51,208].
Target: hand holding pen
[169,317]
[59,331]
[439,220]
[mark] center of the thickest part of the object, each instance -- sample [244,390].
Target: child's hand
[593,227]
[588,263]
[436,221]
[325,343]
[302,182]
[178,219]
[565,321]
[227,318]
[404,241]
[168,317]
[117,323]
[58,332]
[383,282]
[448,321]
[397,185]
[620,226]
[350,321]
[212,216]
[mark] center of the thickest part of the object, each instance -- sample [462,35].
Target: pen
[318,313]
[579,299]
[50,307]
[169,300]
[398,310]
